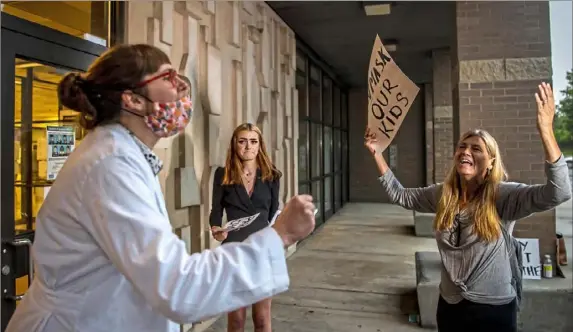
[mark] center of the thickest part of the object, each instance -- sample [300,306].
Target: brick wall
[443,114]
[429,132]
[503,51]
[513,29]
[410,142]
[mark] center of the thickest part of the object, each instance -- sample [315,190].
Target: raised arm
[216,216]
[516,200]
[137,238]
[417,199]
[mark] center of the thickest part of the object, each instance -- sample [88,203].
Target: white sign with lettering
[531,261]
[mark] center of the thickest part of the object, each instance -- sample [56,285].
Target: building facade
[241,60]
[295,69]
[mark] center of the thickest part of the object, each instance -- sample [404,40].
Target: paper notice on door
[390,96]
[61,143]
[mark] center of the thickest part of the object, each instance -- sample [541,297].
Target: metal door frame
[24,39]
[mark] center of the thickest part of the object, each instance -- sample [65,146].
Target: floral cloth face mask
[168,119]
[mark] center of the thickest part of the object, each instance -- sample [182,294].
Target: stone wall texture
[240,58]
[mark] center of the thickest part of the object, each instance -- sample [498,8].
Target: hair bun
[72,94]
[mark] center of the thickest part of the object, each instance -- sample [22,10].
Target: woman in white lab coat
[106,257]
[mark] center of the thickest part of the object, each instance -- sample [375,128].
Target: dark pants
[475,317]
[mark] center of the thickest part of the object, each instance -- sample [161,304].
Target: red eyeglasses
[170,74]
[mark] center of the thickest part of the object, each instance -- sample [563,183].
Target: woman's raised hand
[370,140]
[545,107]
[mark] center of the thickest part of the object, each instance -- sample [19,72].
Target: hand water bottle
[547,267]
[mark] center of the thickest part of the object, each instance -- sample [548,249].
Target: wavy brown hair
[234,166]
[485,215]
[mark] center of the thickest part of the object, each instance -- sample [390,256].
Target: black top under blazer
[236,202]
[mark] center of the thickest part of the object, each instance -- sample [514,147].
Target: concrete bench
[547,303]
[424,224]
[428,274]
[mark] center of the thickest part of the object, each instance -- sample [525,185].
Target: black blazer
[236,202]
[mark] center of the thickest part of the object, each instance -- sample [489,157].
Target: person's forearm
[552,150]
[381,163]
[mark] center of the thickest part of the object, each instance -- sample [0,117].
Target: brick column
[503,52]
[429,133]
[443,121]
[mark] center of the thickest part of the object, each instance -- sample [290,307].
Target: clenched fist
[296,221]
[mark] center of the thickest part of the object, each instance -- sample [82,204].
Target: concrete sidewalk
[355,274]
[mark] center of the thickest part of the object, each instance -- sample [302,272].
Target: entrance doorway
[34,59]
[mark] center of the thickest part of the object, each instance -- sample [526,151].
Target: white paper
[61,143]
[237,224]
[531,262]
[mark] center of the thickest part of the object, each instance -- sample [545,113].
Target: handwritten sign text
[390,95]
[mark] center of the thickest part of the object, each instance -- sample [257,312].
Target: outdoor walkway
[355,274]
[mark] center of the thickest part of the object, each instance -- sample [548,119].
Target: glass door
[37,134]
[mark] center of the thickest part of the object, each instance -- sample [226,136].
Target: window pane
[300,62]
[327,100]
[327,150]
[314,98]
[301,87]
[302,151]
[344,110]
[337,192]
[45,134]
[344,167]
[328,201]
[316,149]
[336,106]
[83,19]
[337,150]
[317,199]
[303,189]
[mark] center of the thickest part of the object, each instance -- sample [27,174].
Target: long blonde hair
[234,165]
[485,215]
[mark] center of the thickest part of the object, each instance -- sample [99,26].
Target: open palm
[545,106]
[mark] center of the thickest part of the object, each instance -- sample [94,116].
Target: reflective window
[303,151]
[323,144]
[314,94]
[327,101]
[316,149]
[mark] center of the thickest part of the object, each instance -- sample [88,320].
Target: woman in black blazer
[247,185]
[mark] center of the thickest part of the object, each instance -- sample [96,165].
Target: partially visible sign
[390,96]
[531,261]
[61,143]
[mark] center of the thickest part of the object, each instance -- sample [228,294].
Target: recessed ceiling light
[377,8]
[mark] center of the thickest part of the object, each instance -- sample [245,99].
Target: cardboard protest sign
[531,262]
[390,96]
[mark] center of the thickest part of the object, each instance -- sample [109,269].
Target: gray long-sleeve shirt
[477,270]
